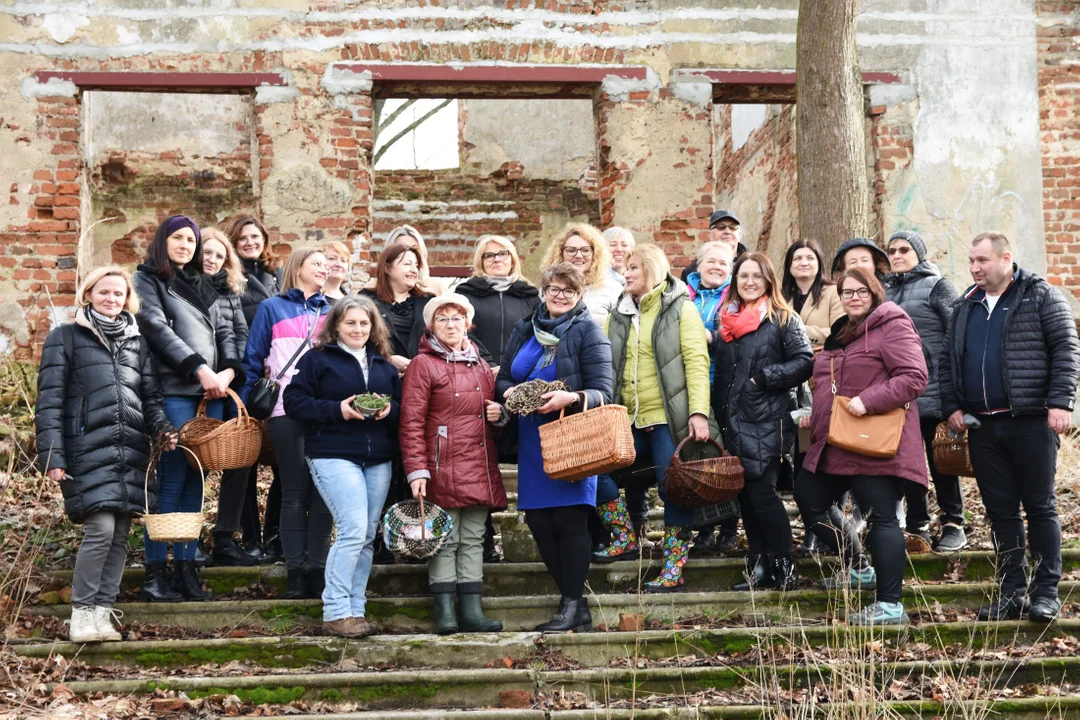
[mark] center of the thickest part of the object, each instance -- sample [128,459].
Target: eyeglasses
[578,252]
[558,292]
[501,255]
[725,226]
[443,320]
[898,251]
[861,292]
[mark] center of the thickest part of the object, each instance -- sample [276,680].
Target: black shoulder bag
[264,395]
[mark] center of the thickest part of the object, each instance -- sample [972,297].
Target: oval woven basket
[708,481]
[951,454]
[178,526]
[223,445]
[415,529]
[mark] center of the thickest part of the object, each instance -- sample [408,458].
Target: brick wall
[1059,117]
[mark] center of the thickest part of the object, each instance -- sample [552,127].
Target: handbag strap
[303,345]
[832,373]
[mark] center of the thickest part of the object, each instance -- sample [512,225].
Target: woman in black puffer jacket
[193,353]
[98,400]
[762,355]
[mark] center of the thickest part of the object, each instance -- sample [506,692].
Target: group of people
[727,353]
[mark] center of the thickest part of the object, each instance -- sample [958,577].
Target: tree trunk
[834,193]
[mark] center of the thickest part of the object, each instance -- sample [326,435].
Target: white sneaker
[82,627]
[103,621]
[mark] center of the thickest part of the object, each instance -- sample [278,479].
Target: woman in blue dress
[559,341]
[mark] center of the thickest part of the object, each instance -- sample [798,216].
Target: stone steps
[410,689]
[519,613]
[476,651]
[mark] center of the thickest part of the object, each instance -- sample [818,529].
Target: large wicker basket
[951,454]
[177,526]
[414,529]
[708,481]
[223,445]
[591,442]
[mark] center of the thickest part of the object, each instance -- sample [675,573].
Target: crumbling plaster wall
[969,87]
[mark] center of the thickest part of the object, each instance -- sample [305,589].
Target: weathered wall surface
[969,95]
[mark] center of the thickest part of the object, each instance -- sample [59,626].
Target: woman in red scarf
[762,355]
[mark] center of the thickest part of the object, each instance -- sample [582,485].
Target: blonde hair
[715,245]
[614,232]
[601,257]
[291,276]
[501,241]
[339,247]
[82,298]
[234,269]
[653,262]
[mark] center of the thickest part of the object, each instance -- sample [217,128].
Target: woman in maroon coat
[447,410]
[879,364]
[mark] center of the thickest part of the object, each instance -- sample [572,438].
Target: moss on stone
[374,693]
[257,695]
[291,612]
[273,656]
[388,610]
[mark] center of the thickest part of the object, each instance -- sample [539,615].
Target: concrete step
[702,574]
[596,649]
[526,612]
[401,689]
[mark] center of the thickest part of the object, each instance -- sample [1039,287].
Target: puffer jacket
[757,376]
[444,432]
[231,306]
[498,312]
[884,366]
[261,284]
[1041,354]
[95,411]
[182,335]
[929,299]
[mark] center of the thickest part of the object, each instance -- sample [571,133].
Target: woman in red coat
[447,410]
[877,359]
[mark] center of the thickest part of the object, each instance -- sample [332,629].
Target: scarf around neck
[500,284]
[195,287]
[737,320]
[468,354]
[549,331]
[114,330]
[220,282]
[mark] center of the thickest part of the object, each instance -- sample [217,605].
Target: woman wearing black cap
[916,285]
[861,253]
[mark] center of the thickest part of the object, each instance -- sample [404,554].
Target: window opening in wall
[416,134]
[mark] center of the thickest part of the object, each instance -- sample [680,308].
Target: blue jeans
[179,484]
[355,495]
[655,440]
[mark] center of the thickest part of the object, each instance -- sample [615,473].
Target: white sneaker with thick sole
[82,627]
[103,621]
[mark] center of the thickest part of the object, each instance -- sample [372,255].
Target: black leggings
[562,534]
[765,519]
[876,496]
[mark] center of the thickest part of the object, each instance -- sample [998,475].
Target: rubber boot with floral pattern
[676,547]
[624,541]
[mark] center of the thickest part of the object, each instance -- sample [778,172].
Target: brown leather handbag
[870,435]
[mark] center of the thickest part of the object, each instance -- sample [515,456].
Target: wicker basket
[951,454]
[708,481]
[591,442]
[178,526]
[417,530]
[223,445]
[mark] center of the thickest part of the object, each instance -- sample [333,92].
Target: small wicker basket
[223,445]
[177,526]
[698,483]
[951,454]
[417,530]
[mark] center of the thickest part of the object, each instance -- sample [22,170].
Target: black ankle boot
[228,554]
[316,582]
[471,616]
[757,574]
[187,582]
[573,616]
[446,622]
[297,588]
[783,574]
[155,586]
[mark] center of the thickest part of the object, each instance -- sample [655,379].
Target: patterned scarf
[549,331]
[467,354]
[500,284]
[114,330]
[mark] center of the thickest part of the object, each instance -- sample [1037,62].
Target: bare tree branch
[412,126]
[380,123]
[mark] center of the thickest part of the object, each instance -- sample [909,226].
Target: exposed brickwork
[893,153]
[1059,115]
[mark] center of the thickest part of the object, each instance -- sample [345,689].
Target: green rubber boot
[445,614]
[470,613]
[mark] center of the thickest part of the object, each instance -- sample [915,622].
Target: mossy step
[525,613]
[595,649]
[401,689]
[1035,708]
[702,574]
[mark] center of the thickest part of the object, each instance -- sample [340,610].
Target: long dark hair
[388,257]
[877,297]
[788,286]
[379,339]
[157,255]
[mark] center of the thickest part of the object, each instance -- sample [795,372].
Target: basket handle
[241,408]
[202,485]
[710,441]
[423,520]
[585,408]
